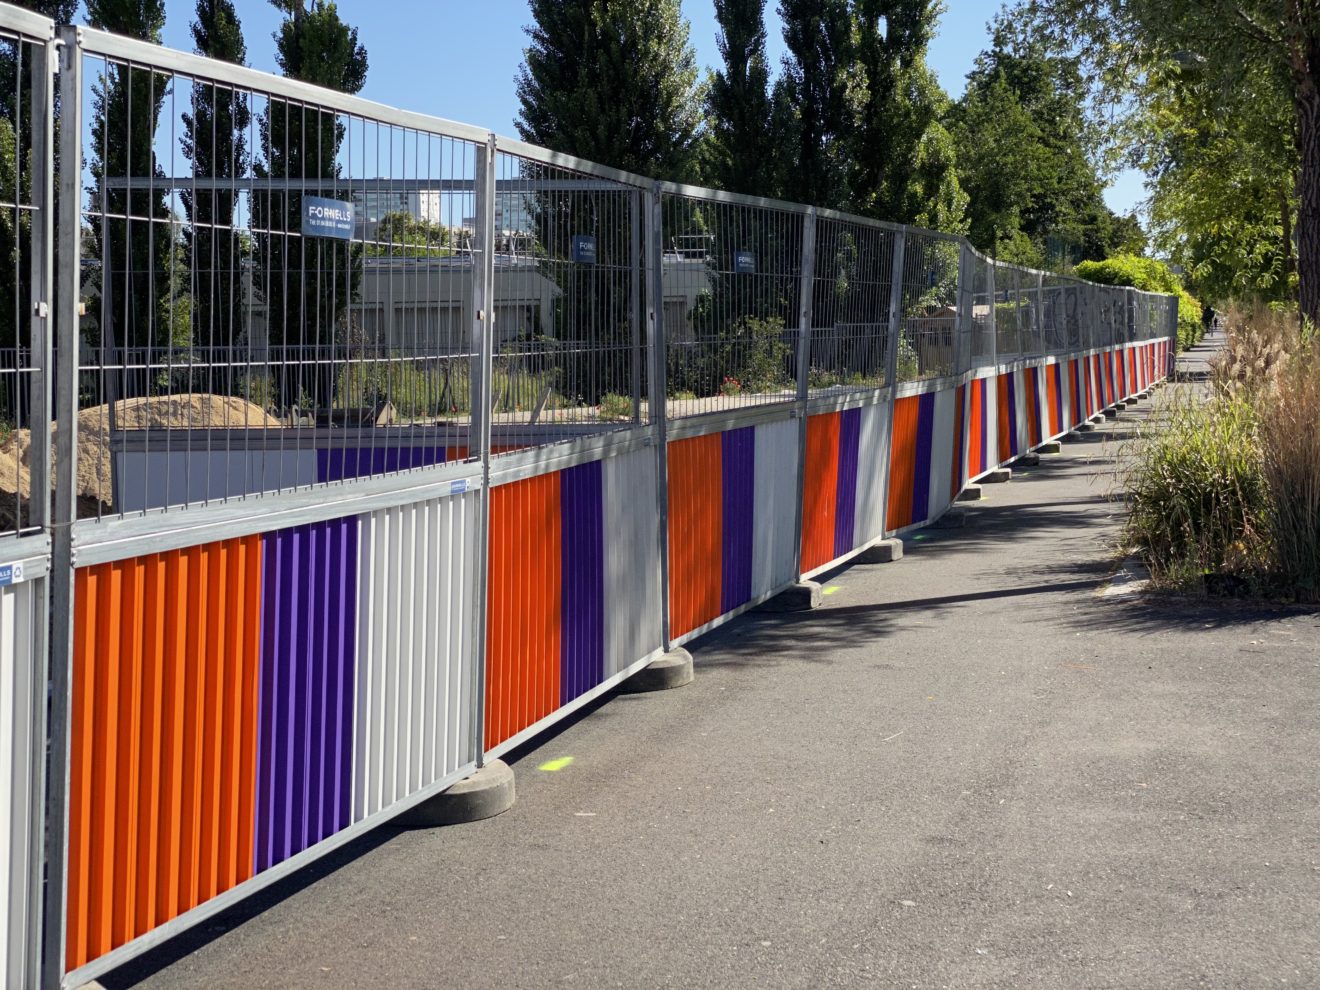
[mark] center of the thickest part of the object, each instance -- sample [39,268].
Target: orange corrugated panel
[696,531]
[820,490]
[1007,419]
[903,461]
[164,712]
[522,616]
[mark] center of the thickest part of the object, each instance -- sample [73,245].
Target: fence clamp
[40,309]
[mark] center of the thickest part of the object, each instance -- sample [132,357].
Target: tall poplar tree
[613,82]
[743,147]
[143,292]
[306,282]
[215,141]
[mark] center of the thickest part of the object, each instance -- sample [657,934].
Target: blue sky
[457,59]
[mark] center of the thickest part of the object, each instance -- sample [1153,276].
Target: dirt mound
[196,412]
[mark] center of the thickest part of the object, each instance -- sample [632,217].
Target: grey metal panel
[22,703]
[632,560]
[872,471]
[941,455]
[21,21]
[512,146]
[777,502]
[115,539]
[416,610]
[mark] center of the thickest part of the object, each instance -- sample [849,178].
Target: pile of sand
[195,412]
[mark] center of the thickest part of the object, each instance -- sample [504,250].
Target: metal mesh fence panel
[851,287]
[569,339]
[928,307]
[276,293]
[730,274]
[24,436]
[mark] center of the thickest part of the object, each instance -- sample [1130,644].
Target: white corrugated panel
[990,424]
[632,560]
[17,795]
[415,632]
[774,557]
[941,453]
[872,470]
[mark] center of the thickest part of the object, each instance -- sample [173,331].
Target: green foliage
[741,153]
[1199,500]
[752,355]
[1035,194]
[125,114]
[214,139]
[615,407]
[306,282]
[613,82]
[400,234]
[1149,275]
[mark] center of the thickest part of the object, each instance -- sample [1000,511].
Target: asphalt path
[969,768]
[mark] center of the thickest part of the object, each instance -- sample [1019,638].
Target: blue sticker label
[584,249]
[744,262]
[458,487]
[10,574]
[327,218]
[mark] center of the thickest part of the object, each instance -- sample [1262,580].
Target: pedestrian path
[967,769]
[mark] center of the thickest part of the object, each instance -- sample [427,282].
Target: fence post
[635,266]
[482,345]
[806,286]
[655,329]
[962,324]
[68,293]
[992,318]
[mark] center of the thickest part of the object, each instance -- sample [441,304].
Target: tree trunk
[1285,216]
[1306,101]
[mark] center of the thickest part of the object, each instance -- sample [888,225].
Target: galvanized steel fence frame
[612,484]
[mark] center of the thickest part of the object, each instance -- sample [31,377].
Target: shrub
[615,407]
[1149,275]
[1199,497]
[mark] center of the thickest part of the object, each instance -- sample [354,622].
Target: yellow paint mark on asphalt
[550,766]
[830,590]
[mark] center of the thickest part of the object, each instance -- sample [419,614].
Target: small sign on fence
[744,262]
[327,218]
[11,574]
[584,249]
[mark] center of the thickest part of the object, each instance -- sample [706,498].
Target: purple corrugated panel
[921,475]
[845,491]
[1014,415]
[308,646]
[738,491]
[582,597]
[342,463]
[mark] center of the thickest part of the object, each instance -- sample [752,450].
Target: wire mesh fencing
[852,286]
[277,292]
[24,256]
[928,308]
[569,340]
[731,278]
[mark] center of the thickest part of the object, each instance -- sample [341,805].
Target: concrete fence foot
[664,673]
[1111,413]
[996,477]
[1050,447]
[802,597]
[952,519]
[972,493]
[1027,460]
[487,793]
[1078,433]
[881,552]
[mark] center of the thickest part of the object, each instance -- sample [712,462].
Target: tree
[144,301]
[902,162]
[1130,46]
[615,83]
[1023,139]
[306,282]
[743,148]
[215,141]
[819,89]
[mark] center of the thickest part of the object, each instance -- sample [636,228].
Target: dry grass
[1260,340]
